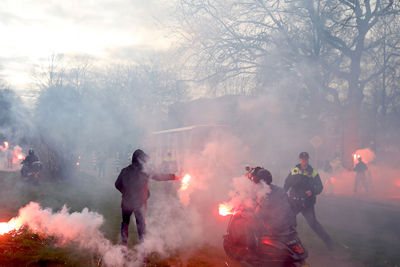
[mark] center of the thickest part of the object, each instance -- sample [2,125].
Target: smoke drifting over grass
[81,229]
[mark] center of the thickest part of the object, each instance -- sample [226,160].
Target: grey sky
[32,30]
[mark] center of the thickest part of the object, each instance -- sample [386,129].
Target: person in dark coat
[31,158]
[360,169]
[305,184]
[28,162]
[274,209]
[133,183]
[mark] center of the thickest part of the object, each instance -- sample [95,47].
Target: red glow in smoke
[355,158]
[17,156]
[6,227]
[225,209]
[5,147]
[185,182]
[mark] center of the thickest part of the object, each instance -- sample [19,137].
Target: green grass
[77,193]
[25,248]
[376,245]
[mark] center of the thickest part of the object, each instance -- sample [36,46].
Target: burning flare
[355,158]
[6,227]
[5,147]
[185,182]
[225,209]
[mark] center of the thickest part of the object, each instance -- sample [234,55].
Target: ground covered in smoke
[365,230]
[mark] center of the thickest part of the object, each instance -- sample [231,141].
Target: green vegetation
[366,233]
[25,248]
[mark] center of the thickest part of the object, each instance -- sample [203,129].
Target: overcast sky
[32,30]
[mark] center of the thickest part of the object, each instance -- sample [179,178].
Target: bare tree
[51,74]
[324,44]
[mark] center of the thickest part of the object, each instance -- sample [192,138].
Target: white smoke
[80,228]
[214,167]
[246,194]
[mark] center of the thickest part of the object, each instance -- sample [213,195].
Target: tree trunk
[351,115]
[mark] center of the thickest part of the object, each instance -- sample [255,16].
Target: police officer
[305,184]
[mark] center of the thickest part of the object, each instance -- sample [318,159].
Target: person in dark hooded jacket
[27,163]
[133,183]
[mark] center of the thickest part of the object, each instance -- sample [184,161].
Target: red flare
[5,147]
[185,182]
[6,227]
[225,209]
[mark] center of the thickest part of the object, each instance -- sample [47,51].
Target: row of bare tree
[321,60]
[318,57]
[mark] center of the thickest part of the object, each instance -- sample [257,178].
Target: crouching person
[133,183]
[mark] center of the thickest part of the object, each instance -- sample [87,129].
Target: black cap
[304,155]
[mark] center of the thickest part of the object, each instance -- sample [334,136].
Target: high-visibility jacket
[301,180]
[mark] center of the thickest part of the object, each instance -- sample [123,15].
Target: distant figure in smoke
[28,161]
[361,177]
[101,165]
[9,159]
[328,184]
[118,162]
[305,184]
[133,183]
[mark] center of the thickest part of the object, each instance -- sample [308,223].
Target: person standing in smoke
[28,161]
[361,177]
[133,183]
[101,165]
[305,184]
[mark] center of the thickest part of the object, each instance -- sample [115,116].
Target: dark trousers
[360,178]
[140,223]
[308,212]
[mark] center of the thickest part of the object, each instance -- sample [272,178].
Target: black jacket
[361,167]
[133,183]
[276,214]
[31,158]
[299,181]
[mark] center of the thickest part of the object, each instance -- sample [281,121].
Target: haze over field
[221,85]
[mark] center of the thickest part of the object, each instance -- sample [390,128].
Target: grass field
[366,232]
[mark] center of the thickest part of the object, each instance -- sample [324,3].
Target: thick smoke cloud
[80,228]
[245,195]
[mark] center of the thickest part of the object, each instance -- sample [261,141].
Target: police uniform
[299,181]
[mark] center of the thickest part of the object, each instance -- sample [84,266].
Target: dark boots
[124,233]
